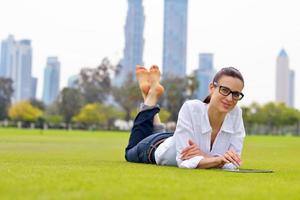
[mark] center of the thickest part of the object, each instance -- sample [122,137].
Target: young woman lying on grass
[208,134]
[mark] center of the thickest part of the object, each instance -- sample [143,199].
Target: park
[60,164]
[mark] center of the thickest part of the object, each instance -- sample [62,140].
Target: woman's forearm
[209,162]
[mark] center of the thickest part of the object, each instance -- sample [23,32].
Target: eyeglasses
[225,91]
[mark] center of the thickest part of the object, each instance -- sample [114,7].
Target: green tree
[175,95]
[6,92]
[192,85]
[273,116]
[128,96]
[69,102]
[90,115]
[24,111]
[164,115]
[95,83]
[53,116]
[37,103]
[96,114]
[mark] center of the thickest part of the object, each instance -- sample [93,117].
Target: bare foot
[142,75]
[154,78]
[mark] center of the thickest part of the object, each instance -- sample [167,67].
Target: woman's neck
[215,118]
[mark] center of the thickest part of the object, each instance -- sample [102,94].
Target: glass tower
[175,38]
[51,80]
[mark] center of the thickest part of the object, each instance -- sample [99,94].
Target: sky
[247,34]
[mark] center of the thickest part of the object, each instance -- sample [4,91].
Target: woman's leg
[143,123]
[154,72]
[146,79]
[151,91]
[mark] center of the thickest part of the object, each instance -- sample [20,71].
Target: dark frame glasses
[225,91]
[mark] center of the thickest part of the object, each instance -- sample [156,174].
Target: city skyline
[239,34]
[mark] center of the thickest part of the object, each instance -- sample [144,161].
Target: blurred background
[71,64]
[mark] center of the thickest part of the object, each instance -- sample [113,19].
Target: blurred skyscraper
[51,80]
[204,74]
[292,88]
[34,82]
[284,80]
[73,81]
[175,38]
[134,41]
[16,63]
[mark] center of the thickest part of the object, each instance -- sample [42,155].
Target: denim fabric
[142,139]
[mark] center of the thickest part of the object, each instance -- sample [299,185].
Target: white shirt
[193,123]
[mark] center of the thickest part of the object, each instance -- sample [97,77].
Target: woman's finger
[228,157]
[192,153]
[234,157]
[232,160]
[186,149]
[225,160]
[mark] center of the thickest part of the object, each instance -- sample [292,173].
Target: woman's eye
[225,90]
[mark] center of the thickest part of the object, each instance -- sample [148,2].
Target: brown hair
[226,71]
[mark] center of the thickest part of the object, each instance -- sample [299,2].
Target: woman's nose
[229,97]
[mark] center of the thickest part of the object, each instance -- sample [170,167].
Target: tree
[24,111]
[175,95]
[128,96]
[271,117]
[37,103]
[97,114]
[164,115]
[95,83]
[6,92]
[90,115]
[192,84]
[70,101]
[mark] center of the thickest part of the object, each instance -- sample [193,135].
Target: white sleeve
[183,133]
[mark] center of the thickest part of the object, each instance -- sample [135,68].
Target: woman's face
[226,84]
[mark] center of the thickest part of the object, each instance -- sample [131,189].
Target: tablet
[249,170]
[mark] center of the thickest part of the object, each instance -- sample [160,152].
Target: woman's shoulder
[195,105]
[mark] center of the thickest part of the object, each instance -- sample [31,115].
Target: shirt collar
[227,126]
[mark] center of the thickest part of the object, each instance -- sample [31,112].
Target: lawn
[91,165]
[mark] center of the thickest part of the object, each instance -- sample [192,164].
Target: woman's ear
[211,88]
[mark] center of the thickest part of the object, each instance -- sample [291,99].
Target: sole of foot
[142,76]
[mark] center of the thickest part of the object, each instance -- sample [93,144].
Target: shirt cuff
[191,163]
[229,166]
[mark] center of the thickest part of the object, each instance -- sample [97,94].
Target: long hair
[226,71]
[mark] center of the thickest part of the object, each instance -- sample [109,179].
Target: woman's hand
[222,161]
[191,151]
[233,157]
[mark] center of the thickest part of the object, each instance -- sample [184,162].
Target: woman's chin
[224,109]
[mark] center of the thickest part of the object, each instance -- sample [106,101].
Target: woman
[208,134]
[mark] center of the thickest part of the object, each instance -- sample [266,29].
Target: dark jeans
[143,142]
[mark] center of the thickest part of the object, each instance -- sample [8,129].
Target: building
[291,102]
[34,82]
[73,81]
[175,38]
[16,63]
[134,41]
[284,80]
[8,56]
[204,74]
[51,80]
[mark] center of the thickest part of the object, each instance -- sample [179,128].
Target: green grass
[91,165]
